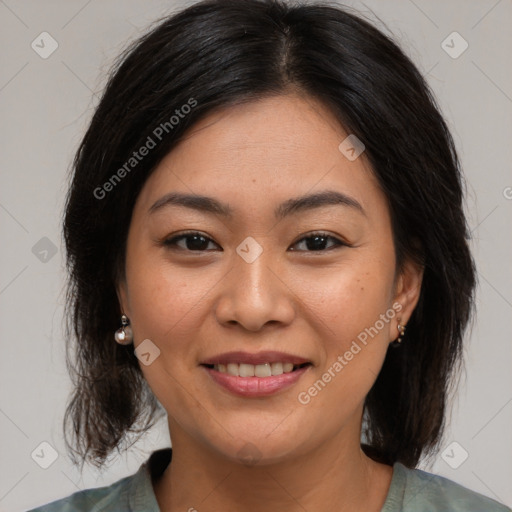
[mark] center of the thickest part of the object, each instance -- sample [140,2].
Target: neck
[335,476]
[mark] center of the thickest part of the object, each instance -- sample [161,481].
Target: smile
[253,381]
[256,370]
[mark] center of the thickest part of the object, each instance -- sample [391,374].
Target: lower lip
[256,386]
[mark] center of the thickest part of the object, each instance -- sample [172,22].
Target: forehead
[258,154]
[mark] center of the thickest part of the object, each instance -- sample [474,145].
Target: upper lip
[257,358]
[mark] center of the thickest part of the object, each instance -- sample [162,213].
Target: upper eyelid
[185,235]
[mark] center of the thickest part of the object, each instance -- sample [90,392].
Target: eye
[193,241]
[197,242]
[317,242]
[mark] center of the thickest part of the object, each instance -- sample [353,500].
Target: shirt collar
[141,494]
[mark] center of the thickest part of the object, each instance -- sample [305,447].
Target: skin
[193,305]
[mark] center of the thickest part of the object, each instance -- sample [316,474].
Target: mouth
[256,375]
[264,370]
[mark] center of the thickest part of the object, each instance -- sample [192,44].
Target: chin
[261,451]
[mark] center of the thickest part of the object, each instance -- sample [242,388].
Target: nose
[255,294]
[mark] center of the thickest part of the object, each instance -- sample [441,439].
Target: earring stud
[124,335]
[401,332]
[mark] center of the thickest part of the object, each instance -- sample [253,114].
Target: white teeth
[254,370]
[262,370]
[277,368]
[246,370]
[233,369]
[287,367]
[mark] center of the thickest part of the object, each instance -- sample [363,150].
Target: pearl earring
[124,335]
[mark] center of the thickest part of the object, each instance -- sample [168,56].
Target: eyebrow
[288,207]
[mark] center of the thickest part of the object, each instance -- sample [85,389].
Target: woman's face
[257,286]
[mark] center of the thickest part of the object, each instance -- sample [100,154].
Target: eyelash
[172,242]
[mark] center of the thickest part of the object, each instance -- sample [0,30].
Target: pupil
[199,242]
[316,243]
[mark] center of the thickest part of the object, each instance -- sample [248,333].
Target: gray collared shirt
[411,490]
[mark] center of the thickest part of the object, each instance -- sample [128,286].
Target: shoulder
[108,498]
[421,491]
[132,493]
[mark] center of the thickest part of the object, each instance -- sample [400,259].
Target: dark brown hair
[225,52]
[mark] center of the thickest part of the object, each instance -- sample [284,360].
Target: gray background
[45,105]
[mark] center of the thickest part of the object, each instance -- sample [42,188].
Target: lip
[269,356]
[254,387]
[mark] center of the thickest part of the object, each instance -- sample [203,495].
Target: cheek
[353,311]
[354,348]
[168,308]
[164,300]
[348,300]
[167,311]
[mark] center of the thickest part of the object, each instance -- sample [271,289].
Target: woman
[266,241]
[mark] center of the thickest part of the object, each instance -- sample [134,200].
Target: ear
[407,292]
